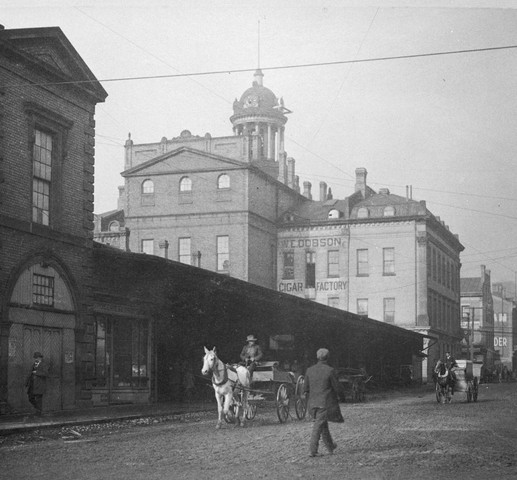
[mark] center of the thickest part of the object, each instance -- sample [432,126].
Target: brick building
[233,205]
[47,138]
[379,255]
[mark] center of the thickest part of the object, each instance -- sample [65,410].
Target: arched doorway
[42,317]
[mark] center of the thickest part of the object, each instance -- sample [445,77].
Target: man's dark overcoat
[323,389]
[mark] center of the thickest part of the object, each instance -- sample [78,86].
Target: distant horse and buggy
[238,402]
[459,379]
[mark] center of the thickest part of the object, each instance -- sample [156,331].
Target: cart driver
[451,363]
[251,353]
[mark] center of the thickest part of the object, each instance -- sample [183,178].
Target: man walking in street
[323,390]
[37,382]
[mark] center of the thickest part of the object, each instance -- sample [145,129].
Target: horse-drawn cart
[354,383]
[459,379]
[269,380]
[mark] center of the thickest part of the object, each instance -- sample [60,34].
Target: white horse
[225,381]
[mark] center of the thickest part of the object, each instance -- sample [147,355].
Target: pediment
[184,160]
[54,55]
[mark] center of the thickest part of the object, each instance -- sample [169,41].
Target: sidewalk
[24,422]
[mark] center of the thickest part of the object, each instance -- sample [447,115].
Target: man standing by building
[323,390]
[37,382]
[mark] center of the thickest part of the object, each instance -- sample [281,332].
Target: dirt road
[407,436]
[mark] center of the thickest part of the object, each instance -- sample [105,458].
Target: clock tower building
[260,118]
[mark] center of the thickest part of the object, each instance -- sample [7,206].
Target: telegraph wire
[278,67]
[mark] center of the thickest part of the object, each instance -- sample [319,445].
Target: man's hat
[37,355]
[322,354]
[251,338]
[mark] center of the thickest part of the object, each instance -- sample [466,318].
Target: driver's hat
[251,338]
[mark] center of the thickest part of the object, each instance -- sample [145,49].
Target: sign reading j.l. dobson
[326,286]
[334,242]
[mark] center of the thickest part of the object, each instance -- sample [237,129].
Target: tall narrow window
[389,310]
[310,270]
[362,306]
[148,246]
[43,290]
[223,253]
[288,273]
[185,185]
[333,263]
[362,263]
[388,258]
[42,177]
[184,251]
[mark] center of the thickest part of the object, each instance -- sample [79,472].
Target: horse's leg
[219,411]
[244,402]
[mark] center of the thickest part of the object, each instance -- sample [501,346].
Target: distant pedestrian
[323,390]
[36,382]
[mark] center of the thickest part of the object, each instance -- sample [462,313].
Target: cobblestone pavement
[398,436]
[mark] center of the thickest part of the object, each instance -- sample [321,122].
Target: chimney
[360,180]
[290,172]
[323,191]
[307,190]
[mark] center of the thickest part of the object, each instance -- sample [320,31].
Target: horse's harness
[225,374]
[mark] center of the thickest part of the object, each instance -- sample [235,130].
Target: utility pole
[471,334]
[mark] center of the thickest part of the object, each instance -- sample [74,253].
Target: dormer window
[389,211]
[363,213]
[334,213]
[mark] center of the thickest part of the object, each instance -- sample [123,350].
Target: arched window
[389,211]
[114,226]
[334,213]
[223,181]
[185,185]
[147,187]
[362,213]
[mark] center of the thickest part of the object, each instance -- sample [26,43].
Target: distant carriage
[354,383]
[460,378]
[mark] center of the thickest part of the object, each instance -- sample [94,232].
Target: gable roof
[50,52]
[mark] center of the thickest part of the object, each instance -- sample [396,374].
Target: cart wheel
[300,402]
[251,411]
[438,393]
[282,403]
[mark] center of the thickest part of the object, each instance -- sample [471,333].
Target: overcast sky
[444,124]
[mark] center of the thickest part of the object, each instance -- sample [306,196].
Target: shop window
[130,346]
[148,246]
